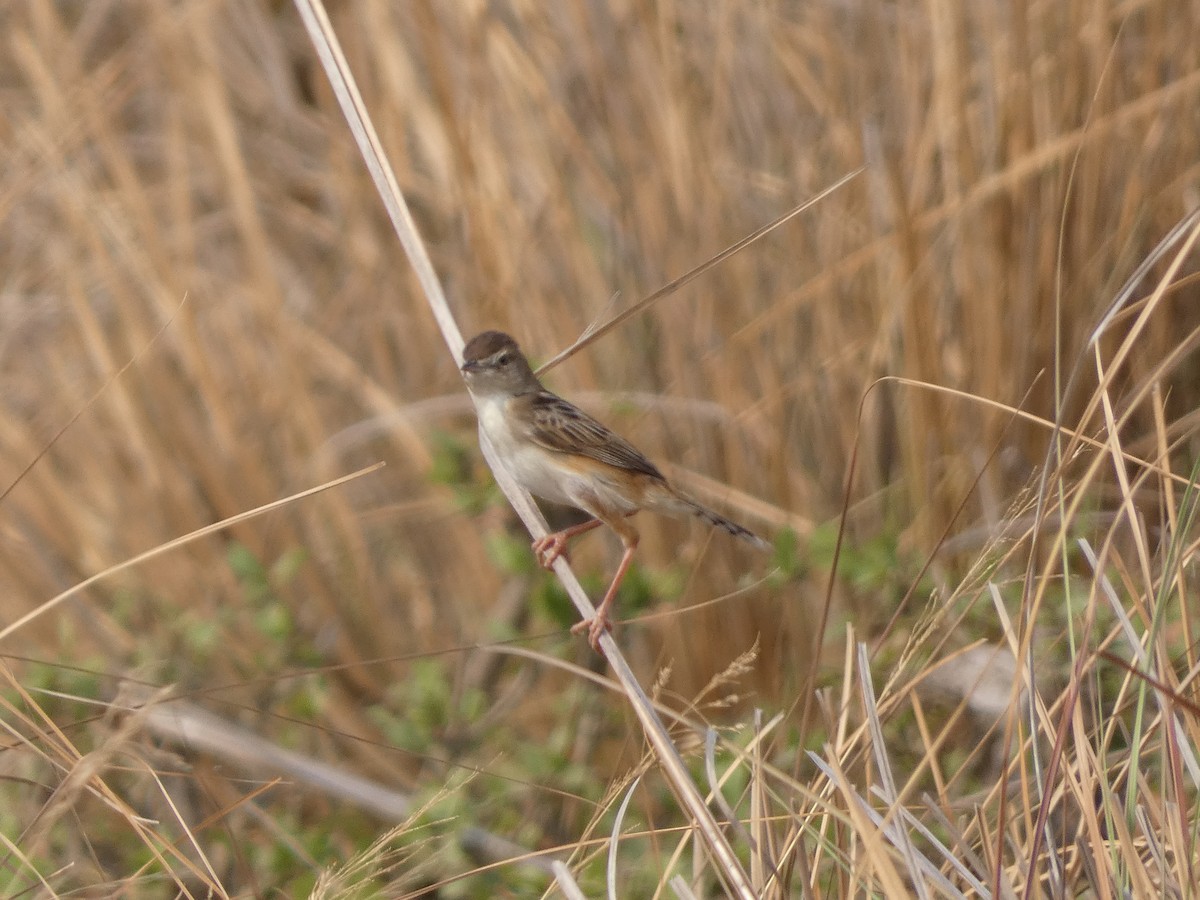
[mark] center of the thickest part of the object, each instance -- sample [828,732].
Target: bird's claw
[549,549]
[595,628]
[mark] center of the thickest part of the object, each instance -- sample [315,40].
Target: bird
[558,452]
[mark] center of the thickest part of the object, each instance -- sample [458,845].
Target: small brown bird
[559,453]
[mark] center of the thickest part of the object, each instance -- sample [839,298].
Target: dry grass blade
[614,840]
[84,407]
[316,21]
[714,790]
[199,731]
[321,33]
[189,726]
[883,764]
[1164,246]
[566,882]
[18,854]
[1031,209]
[867,826]
[178,542]
[597,331]
[681,889]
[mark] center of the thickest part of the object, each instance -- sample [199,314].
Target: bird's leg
[549,548]
[602,621]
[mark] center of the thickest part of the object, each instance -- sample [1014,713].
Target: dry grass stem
[959,392]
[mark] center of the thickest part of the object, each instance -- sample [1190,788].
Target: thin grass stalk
[321,33]
[1035,587]
[614,841]
[883,764]
[178,542]
[1189,506]
[597,331]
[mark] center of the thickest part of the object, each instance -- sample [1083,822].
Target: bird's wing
[564,428]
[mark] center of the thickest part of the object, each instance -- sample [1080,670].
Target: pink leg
[549,548]
[602,621]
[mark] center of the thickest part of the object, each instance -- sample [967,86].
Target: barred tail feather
[682,505]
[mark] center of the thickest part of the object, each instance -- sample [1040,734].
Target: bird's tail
[682,505]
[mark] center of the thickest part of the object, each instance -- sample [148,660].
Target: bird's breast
[532,466]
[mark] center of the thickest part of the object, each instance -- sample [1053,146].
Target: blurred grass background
[561,161]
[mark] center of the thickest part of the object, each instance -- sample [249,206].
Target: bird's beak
[471,365]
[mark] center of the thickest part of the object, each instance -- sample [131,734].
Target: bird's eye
[504,359]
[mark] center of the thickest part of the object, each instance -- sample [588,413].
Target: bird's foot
[548,549]
[595,628]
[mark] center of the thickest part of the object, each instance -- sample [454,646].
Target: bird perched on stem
[559,453]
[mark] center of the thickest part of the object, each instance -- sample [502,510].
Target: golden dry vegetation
[203,309]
